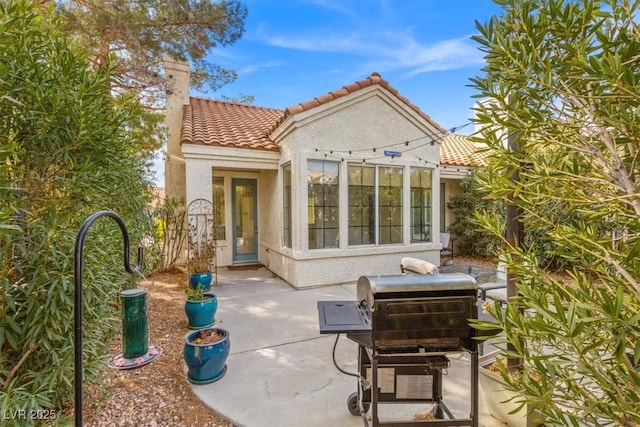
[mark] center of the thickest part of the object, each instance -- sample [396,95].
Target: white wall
[359,121]
[371,117]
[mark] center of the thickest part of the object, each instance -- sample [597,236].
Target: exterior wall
[371,117]
[269,214]
[368,118]
[205,162]
[450,178]
[177,97]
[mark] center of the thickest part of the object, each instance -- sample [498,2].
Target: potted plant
[503,403]
[205,353]
[200,308]
[199,261]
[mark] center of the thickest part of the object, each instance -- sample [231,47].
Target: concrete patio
[280,370]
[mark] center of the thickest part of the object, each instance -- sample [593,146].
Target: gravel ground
[157,394]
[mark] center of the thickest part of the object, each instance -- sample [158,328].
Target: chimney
[177,73]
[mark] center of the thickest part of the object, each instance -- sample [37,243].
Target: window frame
[425,210]
[380,202]
[287,220]
[325,208]
[218,211]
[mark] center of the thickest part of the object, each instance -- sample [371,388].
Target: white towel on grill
[419,266]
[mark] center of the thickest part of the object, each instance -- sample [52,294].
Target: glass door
[245,224]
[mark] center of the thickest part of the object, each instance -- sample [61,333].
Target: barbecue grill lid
[369,286]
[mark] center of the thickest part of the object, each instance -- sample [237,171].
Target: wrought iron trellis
[202,229]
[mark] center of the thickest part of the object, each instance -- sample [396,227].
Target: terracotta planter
[497,397]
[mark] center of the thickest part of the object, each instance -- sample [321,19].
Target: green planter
[201,314]
[201,279]
[206,362]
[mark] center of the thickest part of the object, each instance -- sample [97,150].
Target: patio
[280,371]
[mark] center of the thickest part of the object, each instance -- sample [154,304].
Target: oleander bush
[65,153]
[561,98]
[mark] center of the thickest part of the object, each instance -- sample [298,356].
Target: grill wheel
[352,404]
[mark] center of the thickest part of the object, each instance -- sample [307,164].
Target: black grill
[430,312]
[407,324]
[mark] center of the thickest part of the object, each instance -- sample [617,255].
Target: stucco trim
[233,158]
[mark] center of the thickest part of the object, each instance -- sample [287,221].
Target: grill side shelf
[340,317]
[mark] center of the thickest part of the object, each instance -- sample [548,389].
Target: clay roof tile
[228,124]
[459,150]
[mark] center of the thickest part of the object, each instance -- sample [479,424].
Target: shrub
[560,80]
[65,154]
[470,238]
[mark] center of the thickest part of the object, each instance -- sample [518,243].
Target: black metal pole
[77,277]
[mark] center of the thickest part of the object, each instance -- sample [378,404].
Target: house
[340,186]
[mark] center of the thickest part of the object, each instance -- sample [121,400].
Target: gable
[371,118]
[349,96]
[373,79]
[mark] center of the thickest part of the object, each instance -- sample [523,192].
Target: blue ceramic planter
[201,279]
[206,363]
[201,314]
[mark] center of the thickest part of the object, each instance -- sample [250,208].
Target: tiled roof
[459,150]
[228,124]
[373,79]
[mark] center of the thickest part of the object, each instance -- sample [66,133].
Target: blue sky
[293,51]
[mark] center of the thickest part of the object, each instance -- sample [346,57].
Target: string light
[430,140]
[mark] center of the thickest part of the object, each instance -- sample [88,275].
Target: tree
[140,33]
[65,152]
[562,77]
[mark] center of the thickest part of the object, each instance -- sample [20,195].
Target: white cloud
[250,69]
[318,43]
[388,50]
[335,5]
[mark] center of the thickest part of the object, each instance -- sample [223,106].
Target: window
[286,208]
[371,203]
[218,207]
[421,205]
[322,208]
[362,195]
[389,205]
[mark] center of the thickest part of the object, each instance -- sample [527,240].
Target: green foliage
[196,294]
[470,238]
[65,153]
[136,36]
[167,235]
[561,80]
[146,31]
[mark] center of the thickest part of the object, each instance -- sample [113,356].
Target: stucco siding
[343,268]
[363,120]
